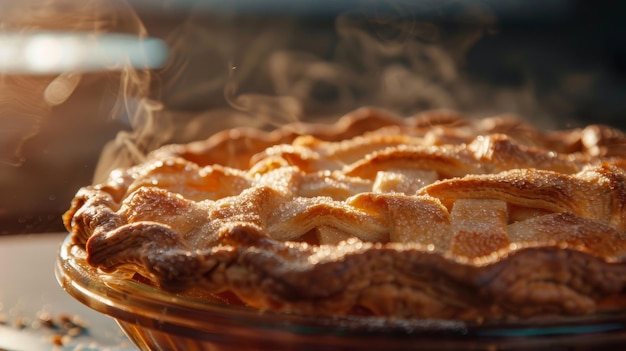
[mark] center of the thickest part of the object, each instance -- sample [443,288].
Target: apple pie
[430,216]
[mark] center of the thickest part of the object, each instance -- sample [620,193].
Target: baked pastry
[432,216]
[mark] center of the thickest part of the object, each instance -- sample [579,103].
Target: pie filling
[431,216]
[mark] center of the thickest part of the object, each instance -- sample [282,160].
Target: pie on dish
[432,216]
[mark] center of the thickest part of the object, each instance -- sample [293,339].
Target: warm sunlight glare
[58,52]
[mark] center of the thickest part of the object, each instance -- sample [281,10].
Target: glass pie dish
[158,320]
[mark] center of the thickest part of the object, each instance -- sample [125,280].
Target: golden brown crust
[432,216]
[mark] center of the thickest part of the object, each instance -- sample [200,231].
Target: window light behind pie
[433,216]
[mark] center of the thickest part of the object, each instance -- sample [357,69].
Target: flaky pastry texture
[430,216]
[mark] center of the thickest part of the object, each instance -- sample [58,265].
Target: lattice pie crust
[432,216]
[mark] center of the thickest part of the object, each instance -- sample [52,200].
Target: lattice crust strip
[433,216]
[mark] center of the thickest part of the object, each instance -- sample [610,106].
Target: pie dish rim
[150,308]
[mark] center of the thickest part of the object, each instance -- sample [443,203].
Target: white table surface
[28,287]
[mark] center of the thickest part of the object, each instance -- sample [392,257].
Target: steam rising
[227,71]
[48,46]
[404,65]
[404,56]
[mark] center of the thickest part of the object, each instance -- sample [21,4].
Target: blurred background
[134,75]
